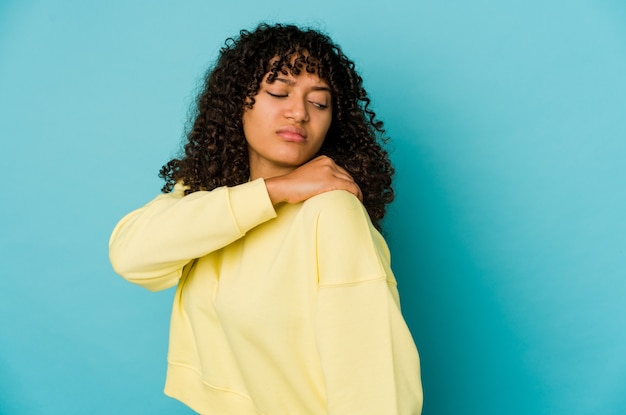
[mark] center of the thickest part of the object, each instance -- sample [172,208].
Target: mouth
[292,133]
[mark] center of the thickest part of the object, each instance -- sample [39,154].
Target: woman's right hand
[317,176]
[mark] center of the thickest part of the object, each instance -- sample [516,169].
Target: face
[287,125]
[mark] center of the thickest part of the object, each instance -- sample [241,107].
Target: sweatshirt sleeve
[369,359]
[151,245]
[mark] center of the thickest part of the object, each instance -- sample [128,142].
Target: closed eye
[276,95]
[319,105]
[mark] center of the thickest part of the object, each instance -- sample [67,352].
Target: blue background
[508,233]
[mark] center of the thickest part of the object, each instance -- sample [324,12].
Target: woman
[285,303]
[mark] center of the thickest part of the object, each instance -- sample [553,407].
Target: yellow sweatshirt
[278,311]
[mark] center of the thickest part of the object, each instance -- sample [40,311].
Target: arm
[317,176]
[151,245]
[369,359]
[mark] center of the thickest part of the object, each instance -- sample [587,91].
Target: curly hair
[216,152]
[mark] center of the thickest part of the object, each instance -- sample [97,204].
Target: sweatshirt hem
[186,385]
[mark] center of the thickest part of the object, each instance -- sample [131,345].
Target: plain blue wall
[508,233]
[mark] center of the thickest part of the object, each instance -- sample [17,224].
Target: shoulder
[178,192]
[350,249]
[179,189]
[340,213]
[338,205]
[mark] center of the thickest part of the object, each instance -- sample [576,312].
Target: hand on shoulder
[317,176]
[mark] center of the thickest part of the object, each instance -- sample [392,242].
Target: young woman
[285,301]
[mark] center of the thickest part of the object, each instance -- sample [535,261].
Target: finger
[353,188]
[341,172]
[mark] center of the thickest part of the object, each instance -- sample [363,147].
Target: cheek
[324,120]
[245,117]
[251,119]
[249,127]
[327,124]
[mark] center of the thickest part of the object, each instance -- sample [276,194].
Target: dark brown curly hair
[216,152]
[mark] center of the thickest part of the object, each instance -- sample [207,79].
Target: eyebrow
[292,83]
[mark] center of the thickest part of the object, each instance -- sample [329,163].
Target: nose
[297,109]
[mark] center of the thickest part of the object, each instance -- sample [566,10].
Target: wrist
[274,190]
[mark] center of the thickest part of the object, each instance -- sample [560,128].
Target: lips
[292,133]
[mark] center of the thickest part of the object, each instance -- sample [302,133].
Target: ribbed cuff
[251,204]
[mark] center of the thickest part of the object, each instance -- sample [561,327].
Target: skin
[284,130]
[287,124]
